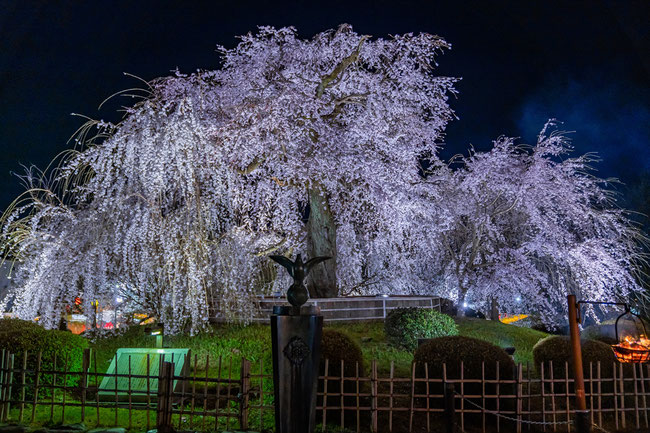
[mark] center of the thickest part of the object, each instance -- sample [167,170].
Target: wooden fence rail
[221,394]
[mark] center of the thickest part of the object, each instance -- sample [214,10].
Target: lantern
[633,345]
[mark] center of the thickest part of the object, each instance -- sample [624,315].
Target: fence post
[165,390]
[450,408]
[85,365]
[518,392]
[373,397]
[10,379]
[243,396]
[3,388]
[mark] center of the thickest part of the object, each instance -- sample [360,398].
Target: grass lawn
[254,343]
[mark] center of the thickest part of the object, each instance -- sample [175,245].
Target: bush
[20,336]
[403,326]
[337,346]
[472,353]
[557,348]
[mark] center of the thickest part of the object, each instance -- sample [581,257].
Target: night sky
[584,63]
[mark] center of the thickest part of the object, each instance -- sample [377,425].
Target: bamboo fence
[222,394]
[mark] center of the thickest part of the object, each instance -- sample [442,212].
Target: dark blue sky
[585,63]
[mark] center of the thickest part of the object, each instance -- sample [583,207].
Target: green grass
[138,419]
[371,338]
[253,342]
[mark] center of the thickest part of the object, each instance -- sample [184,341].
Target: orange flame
[632,350]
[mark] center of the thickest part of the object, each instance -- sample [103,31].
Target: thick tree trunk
[494,309]
[460,310]
[321,232]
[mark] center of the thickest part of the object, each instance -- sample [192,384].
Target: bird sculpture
[297,293]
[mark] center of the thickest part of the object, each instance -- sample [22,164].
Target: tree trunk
[321,232]
[460,309]
[494,310]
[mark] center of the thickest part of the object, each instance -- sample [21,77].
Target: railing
[223,394]
[348,309]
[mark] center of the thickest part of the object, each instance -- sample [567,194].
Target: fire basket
[633,344]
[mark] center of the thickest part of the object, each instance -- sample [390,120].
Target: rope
[500,415]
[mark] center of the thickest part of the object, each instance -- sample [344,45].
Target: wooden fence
[223,394]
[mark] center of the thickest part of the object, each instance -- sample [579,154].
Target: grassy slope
[502,335]
[254,343]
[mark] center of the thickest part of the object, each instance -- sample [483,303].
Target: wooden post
[228,392]
[412,405]
[3,374]
[53,388]
[193,401]
[450,408]
[130,396]
[148,389]
[582,423]
[542,387]
[65,380]
[518,392]
[165,389]
[245,388]
[22,391]
[36,383]
[327,365]
[85,366]
[373,397]
[342,394]
[390,401]
[10,379]
[358,398]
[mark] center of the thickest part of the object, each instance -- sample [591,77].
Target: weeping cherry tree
[294,145]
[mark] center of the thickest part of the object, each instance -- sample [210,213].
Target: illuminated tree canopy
[180,202]
[527,225]
[314,146]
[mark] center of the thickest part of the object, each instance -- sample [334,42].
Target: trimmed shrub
[557,348]
[472,352]
[337,346]
[20,336]
[403,326]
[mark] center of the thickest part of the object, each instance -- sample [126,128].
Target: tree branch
[327,80]
[252,166]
